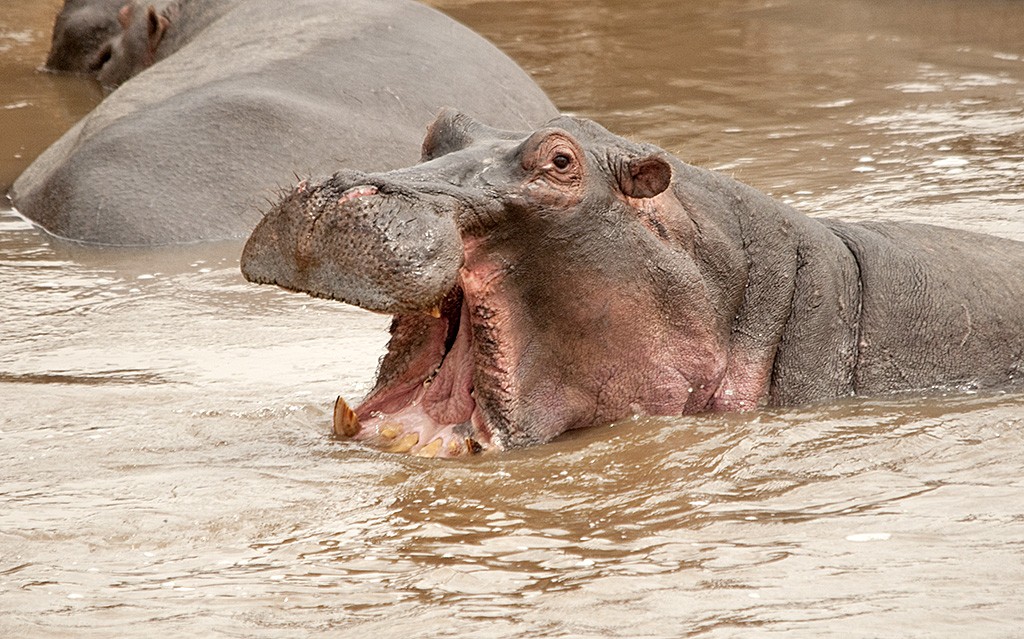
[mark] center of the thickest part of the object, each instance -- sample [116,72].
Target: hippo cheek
[383,253]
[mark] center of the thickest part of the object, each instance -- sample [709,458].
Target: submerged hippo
[568,278]
[152,32]
[81,34]
[190,148]
[117,39]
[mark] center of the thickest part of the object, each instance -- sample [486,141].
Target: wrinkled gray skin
[569,278]
[191,148]
[81,33]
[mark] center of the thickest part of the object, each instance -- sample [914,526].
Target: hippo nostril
[357,192]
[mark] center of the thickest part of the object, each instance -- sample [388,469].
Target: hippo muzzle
[365,244]
[390,249]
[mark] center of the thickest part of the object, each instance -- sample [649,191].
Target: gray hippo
[191,148]
[567,278]
[81,35]
[151,33]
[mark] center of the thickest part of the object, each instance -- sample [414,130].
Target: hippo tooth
[404,444]
[346,423]
[431,449]
[435,312]
[390,431]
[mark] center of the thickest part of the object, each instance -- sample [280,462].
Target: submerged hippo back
[938,307]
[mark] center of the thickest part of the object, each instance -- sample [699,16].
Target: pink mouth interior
[433,398]
[357,192]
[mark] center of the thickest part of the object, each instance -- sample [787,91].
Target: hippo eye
[101,58]
[562,161]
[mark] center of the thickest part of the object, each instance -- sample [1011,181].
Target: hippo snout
[348,239]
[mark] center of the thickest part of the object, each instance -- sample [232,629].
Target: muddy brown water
[165,468]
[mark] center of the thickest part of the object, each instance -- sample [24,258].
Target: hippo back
[938,307]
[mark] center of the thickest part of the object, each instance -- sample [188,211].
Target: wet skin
[568,278]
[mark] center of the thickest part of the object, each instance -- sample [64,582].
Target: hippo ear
[124,16]
[645,177]
[447,133]
[156,25]
[451,131]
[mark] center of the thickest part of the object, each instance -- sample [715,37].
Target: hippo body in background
[191,148]
[569,278]
[81,31]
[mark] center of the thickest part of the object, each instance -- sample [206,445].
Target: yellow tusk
[346,423]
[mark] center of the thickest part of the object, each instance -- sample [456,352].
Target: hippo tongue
[447,398]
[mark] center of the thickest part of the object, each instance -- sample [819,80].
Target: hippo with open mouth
[566,278]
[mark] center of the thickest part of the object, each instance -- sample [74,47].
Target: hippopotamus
[191,148]
[81,33]
[150,33]
[567,278]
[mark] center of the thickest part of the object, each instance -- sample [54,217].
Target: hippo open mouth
[423,403]
[386,258]
[568,278]
[428,408]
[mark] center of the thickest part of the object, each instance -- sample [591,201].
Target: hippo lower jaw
[429,408]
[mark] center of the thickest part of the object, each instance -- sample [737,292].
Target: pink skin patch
[357,192]
[746,382]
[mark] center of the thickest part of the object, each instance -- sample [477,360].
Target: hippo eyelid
[539,150]
[561,161]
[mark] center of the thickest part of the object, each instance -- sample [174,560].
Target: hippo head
[539,282]
[81,35]
[133,49]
